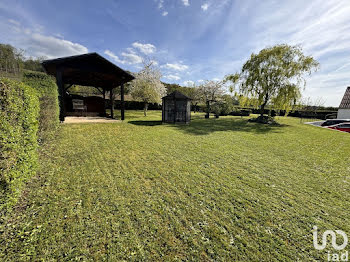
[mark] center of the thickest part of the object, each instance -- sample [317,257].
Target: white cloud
[145,48]
[37,44]
[188,83]
[185,2]
[154,62]
[175,66]
[129,58]
[205,6]
[172,77]
[113,56]
[200,81]
[13,21]
[51,47]
[165,13]
[160,4]
[132,58]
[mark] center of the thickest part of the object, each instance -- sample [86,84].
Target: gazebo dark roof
[177,95]
[89,70]
[345,103]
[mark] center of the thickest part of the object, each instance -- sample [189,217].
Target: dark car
[345,127]
[332,122]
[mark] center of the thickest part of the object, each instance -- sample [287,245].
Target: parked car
[345,127]
[332,122]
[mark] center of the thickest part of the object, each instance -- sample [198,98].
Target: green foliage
[217,108]
[84,90]
[226,105]
[48,96]
[187,91]
[213,190]
[19,109]
[11,59]
[275,76]
[33,64]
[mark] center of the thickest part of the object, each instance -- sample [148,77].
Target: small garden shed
[176,108]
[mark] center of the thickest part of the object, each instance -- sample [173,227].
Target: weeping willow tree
[274,76]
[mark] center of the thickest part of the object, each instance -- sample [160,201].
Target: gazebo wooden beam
[111,99]
[104,100]
[122,101]
[68,86]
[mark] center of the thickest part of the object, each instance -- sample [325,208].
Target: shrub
[240,112]
[48,96]
[264,120]
[19,110]
[221,108]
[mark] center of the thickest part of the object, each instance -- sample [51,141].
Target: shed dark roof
[89,70]
[177,95]
[345,103]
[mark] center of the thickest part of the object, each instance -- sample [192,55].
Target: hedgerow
[19,111]
[48,96]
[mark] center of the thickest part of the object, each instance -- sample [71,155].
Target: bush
[48,96]
[19,110]
[221,108]
[240,112]
[264,120]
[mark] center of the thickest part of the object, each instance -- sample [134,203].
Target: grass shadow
[207,126]
[201,126]
[146,123]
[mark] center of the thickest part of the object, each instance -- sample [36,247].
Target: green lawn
[217,189]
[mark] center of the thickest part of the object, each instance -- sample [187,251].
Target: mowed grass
[214,190]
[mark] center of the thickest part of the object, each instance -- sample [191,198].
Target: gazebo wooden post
[104,100]
[122,101]
[61,91]
[111,99]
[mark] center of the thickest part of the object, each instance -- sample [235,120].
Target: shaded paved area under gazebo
[87,70]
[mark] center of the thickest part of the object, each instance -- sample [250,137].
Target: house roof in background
[89,69]
[345,103]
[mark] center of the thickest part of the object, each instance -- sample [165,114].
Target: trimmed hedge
[19,111]
[46,89]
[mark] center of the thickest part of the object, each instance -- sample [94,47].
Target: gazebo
[176,108]
[88,70]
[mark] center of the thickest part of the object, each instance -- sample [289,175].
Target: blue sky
[192,40]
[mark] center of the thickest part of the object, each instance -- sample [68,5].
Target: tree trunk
[208,109]
[262,108]
[195,108]
[145,109]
